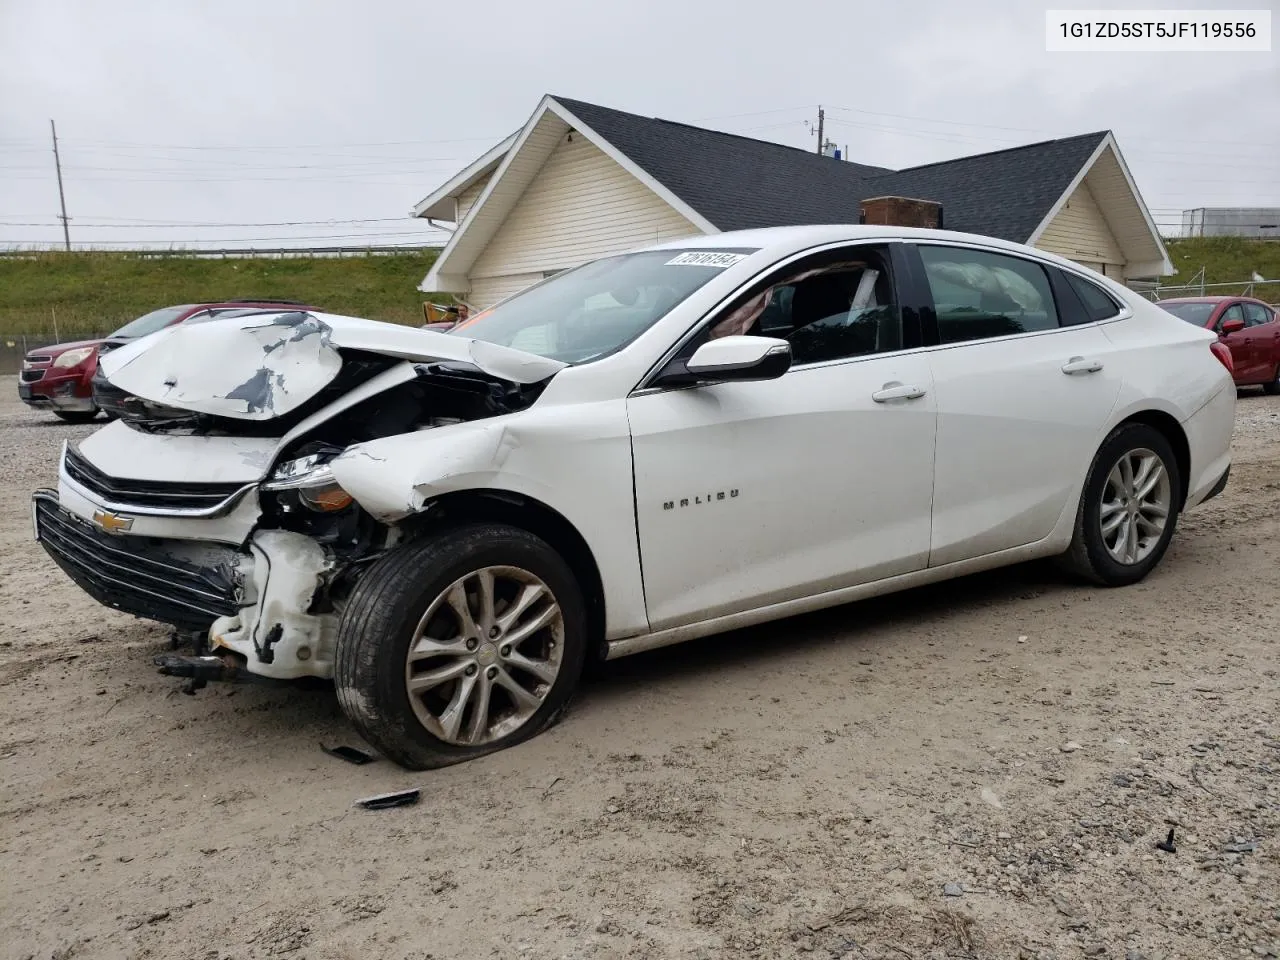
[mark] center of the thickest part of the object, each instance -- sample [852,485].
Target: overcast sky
[265,112]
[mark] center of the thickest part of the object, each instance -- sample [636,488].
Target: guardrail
[245,253]
[1268,290]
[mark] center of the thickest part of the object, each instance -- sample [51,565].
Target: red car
[60,378]
[1250,328]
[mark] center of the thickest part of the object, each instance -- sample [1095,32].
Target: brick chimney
[902,212]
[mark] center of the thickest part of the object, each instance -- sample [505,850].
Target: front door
[1262,334]
[755,493]
[1239,342]
[1020,400]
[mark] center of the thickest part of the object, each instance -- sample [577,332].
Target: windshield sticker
[706,258]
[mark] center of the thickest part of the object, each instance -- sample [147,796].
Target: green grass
[94,293]
[1226,260]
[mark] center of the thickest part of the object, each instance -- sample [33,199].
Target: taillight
[1223,353]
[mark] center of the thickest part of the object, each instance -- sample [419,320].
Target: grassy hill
[94,293]
[1226,260]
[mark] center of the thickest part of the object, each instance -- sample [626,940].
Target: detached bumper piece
[135,574]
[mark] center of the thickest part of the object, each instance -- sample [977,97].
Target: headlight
[313,481]
[71,357]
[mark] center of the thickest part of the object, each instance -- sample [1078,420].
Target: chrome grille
[146,493]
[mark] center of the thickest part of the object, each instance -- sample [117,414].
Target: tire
[1090,556]
[76,416]
[378,624]
[1273,387]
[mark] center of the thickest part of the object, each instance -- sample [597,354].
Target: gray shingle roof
[739,183]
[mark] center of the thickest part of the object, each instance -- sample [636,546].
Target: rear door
[1023,389]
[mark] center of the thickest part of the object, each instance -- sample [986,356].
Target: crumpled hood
[264,366]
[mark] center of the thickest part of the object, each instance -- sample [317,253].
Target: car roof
[782,241]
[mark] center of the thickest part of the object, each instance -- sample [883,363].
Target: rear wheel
[460,644]
[76,416]
[1129,508]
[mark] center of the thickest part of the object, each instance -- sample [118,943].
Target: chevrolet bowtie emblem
[111,522]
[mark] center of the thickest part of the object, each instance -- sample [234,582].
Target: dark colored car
[59,378]
[1249,328]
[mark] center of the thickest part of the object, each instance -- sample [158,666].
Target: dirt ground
[980,769]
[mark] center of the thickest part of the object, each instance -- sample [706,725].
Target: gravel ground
[979,769]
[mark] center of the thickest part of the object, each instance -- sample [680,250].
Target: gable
[1079,231]
[580,205]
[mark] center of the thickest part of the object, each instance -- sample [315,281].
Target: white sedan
[648,448]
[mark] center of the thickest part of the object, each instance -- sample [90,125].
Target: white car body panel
[838,496]
[1013,431]
[574,459]
[264,366]
[763,492]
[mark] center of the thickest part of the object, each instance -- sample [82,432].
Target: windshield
[596,309]
[1196,313]
[151,322]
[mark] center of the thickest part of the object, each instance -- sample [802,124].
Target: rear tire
[76,416]
[1273,387]
[1125,545]
[419,618]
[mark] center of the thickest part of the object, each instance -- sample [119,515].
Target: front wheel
[1129,508]
[1273,387]
[460,644]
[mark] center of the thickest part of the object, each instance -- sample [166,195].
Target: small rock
[157,917]
[1068,908]
[1022,639]
[1004,835]
[1097,950]
[1121,780]
[1069,747]
[990,799]
[953,890]
[612,808]
[1134,955]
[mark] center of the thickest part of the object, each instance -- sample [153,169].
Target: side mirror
[740,358]
[1231,326]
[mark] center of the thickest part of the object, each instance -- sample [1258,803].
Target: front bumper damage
[262,597]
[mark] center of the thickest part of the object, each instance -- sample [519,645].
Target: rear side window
[977,294]
[1097,302]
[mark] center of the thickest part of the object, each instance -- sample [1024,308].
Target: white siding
[468,197]
[486,291]
[1080,232]
[580,205]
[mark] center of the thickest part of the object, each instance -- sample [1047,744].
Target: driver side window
[832,306]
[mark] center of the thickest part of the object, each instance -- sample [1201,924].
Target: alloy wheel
[485,655]
[1136,501]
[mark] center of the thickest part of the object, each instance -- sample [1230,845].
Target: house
[580,181]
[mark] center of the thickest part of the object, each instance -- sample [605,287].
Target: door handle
[894,390]
[1081,365]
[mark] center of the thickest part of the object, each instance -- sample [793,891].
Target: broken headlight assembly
[311,481]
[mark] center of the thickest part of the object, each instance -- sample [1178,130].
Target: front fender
[575,458]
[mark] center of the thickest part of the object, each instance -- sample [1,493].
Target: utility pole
[821,117]
[62,197]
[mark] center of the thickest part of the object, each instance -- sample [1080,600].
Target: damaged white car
[649,448]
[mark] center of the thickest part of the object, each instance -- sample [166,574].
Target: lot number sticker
[706,258]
